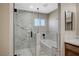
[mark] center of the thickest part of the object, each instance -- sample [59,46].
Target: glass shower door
[24,35]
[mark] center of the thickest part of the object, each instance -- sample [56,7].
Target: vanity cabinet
[71,50]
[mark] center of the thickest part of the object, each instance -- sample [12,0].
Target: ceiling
[43,7]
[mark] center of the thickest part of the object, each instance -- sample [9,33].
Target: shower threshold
[23,52]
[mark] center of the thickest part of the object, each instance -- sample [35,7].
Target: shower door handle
[31,34]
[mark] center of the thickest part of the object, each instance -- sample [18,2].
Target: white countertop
[72,40]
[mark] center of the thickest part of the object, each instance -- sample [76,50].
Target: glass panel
[24,35]
[49,37]
[35,35]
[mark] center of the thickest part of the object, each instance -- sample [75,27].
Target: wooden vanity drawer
[71,49]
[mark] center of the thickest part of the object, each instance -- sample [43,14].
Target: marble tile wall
[23,24]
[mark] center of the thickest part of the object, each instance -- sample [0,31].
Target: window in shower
[39,22]
[42,22]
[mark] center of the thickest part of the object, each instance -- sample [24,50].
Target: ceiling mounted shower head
[45,5]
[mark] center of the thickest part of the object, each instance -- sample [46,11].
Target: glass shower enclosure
[35,34]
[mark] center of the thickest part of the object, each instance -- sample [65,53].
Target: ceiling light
[45,5]
[31,7]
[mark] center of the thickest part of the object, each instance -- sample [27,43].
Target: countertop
[72,40]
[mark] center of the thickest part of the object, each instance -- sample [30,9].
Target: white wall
[53,18]
[70,7]
[77,22]
[4,29]
[53,24]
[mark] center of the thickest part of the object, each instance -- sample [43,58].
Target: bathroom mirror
[68,20]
